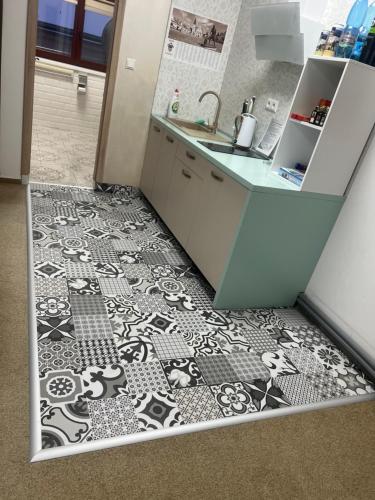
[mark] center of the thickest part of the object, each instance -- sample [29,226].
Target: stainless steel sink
[196,130]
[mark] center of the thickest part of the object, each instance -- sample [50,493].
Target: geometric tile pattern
[197,404]
[170,345]
[98,352]
[128,340]
[298,389]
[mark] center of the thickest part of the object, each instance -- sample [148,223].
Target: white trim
[38,455]
[102,444]
[34,387]
[25,179]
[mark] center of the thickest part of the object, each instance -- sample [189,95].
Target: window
[77,32]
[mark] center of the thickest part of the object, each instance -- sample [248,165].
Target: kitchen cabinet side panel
[277,247]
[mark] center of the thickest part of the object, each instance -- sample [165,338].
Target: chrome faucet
[213,128]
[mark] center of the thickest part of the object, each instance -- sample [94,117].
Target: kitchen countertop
[253,174]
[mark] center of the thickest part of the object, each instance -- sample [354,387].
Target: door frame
[28,92]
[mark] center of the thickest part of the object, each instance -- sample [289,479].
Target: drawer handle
[190,156]
[185,174]
[216,177]
[157,129]
[169,139]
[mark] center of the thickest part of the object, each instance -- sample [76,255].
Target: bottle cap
[325,103]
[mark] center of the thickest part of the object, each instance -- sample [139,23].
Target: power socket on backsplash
[272,105]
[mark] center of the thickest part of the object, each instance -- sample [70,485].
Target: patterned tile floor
[127,338]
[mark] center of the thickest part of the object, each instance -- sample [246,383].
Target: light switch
[130,63]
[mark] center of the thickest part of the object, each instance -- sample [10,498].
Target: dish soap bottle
[354,21]
[174,104]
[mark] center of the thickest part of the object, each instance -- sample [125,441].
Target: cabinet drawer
[192,160]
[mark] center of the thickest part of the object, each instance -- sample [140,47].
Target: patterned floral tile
[278,363]
[52,306]
[84,286]
[157,410]
[55,328]
[104,381]
[58,355]
[128,340]
[266,394]
[49,270]
[112,417]
[183,372]
[121,305]
[233,399]
[136,349]
[286,339]
[65,424]
[62,386]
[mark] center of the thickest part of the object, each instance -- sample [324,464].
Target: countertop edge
[190,141]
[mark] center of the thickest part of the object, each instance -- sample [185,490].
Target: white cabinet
[151,160]
[282,33]
[330,152]
[256,247]
[163,173]
[184,193]
[214,231]
[200,205]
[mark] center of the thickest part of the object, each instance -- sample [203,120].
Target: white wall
[143,39]
[58,105]
[12,76]
[343,283]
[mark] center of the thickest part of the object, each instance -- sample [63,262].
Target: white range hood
[282,34]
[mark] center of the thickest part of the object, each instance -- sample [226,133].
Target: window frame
[75,57]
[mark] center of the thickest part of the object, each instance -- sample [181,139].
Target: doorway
[71,62]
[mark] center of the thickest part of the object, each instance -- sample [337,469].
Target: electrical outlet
[272,105]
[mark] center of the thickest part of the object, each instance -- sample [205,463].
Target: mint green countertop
[253,174]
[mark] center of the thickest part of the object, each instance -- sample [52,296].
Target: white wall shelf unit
[331,152]
[282,34]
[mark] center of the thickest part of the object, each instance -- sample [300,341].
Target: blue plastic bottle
[349,36]
[363,32]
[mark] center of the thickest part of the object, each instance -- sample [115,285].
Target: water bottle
[363,32]
[354,21]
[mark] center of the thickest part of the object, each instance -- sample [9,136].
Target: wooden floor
[319,455]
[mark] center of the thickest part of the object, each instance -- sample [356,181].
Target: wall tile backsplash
[192,80]
[245,77]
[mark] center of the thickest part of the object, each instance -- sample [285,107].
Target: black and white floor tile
[128,340]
